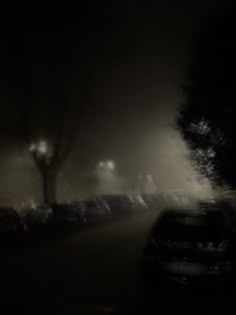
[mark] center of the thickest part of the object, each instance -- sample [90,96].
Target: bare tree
[50,147]
[49,108]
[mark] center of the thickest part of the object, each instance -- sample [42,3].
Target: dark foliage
[207,119]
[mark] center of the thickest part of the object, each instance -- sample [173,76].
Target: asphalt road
[93,271]
[96,270]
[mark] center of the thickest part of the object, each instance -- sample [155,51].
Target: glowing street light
[149,177]
[107,165]
[43,147]
[33,147]
[41,150]
[110,165]
[101,164]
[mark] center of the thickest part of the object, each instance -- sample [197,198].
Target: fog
[131,83]
[165,158]
[130,121]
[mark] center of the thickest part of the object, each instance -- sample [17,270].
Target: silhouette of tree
[50,102]
[207,119]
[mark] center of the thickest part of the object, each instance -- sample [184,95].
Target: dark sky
[113,69]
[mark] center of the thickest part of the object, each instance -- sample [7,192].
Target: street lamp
[41,151]
[107,176]
[110,165]
[42,155]
[107,165]
[149,177]
[101,164]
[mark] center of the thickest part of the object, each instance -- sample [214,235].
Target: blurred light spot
[42,147]
[110,165]
[101,164]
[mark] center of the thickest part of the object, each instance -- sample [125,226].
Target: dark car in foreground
[191,249]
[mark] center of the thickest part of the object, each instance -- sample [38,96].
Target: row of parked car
[57,217]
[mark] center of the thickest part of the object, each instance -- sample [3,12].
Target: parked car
[230,197]
[12,226]
[221,205]
[38,219]
[229,193]
[178,198]
[68,215]
[137,203]
[193,249]
[121,205]
[154,201]
[151,200]
[79,209]
[97,211]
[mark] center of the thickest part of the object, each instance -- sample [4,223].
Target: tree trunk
[44,175]
[49,177]
[51,185]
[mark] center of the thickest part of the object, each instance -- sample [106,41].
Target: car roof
[181,214]
[204,216]
[192,225]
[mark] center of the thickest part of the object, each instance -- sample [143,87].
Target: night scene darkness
[111,113]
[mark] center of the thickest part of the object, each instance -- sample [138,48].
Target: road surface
[96,268]
[94,271]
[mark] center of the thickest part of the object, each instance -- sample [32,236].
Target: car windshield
[118,137]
